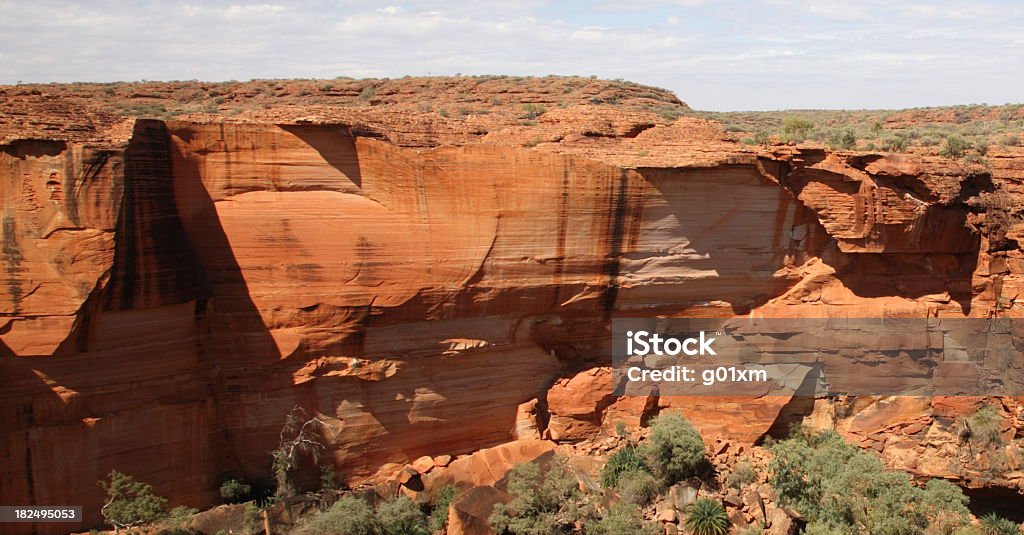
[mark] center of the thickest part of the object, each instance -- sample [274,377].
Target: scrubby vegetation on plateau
[965,133]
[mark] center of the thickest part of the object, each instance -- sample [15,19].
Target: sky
[715,55]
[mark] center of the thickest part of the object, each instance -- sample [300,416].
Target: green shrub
[993,524]
[445,496]
[622,519]
[674,450]
[234,491]
[1010,140]
[367,93]
[894,144]
[982,145]
[668,112]
[945,505]
[177,521]
[252,518]
[532,111]
[796,129]
[742,474]
[955,147]
[130,503]
[328,479]
[838,487]
[707,517]
[638,488]
[983,427]
[845,139]
[627,459]
[543,501]
[826,528]
[975,159]
[348,516]
[401,516]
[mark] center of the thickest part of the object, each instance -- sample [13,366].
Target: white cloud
[714,54]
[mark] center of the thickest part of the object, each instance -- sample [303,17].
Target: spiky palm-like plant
[707,517]
[993,524]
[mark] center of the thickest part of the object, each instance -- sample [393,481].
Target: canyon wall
[169,299]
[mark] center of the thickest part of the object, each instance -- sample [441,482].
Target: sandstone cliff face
[170,297]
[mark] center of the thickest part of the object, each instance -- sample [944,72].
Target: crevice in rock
[1005,502]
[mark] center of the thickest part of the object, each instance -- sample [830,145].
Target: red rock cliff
[169,296]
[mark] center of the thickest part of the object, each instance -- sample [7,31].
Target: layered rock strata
[169,297]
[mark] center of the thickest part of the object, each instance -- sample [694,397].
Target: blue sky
[716,55]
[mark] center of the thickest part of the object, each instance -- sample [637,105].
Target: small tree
[796,129]
[130,503]
[543,501]
[843,139]
[301,436]
[894,144]
[955,147]
[674,450]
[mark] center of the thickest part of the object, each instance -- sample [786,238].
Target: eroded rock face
[58,238]
[169,300]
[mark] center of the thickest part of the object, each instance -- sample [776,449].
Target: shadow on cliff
[131,355]
[240,351]
[253,384]
[911,276]
[917,275]
[336,147]
[731,233]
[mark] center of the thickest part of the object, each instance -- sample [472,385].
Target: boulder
[469,513]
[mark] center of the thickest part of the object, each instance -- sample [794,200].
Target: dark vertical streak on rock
[619,205]
[154,263]
[69,203]
[12,259]
[125,256]
[92,165]
[29,477]
[563,228]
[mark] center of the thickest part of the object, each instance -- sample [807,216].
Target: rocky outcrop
[169,297]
